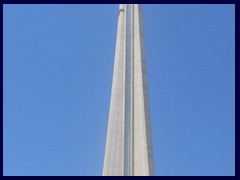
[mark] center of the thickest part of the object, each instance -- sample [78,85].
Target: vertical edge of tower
[143,150]
[113,160]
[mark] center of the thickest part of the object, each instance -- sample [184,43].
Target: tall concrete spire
[129,149]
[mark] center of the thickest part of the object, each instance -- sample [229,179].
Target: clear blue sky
[58,67]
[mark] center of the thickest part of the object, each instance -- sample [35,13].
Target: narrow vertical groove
[127,111]
[132,89]
[128,121]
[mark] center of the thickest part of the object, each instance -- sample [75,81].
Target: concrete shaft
[129,149]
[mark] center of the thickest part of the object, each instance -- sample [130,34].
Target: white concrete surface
[141,155]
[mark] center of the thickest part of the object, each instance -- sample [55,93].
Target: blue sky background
[58,67]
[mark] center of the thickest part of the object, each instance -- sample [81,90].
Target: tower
[129,149]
